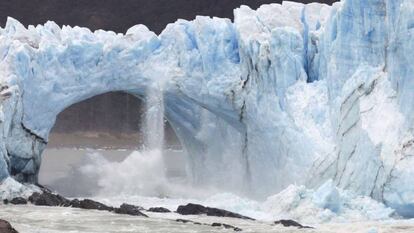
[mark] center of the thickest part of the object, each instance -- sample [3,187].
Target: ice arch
[224,88]
[205,82]
[63,67]
[306,93]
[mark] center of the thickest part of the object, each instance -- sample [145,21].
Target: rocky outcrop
[216,224]
[159,210]
[5,227]
[195,209]
[188,221]
[16,201]
[290,223]
[130,210]
[225,226]
[48,199]
[89,204]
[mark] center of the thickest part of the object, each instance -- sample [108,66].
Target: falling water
[154,119]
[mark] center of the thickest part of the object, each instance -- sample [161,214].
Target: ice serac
[287,94]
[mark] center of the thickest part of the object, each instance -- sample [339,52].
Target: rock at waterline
[48,199]
[15,201]
[91,205]
[159,210]
[5,227]
[290,223]
[226,226]
[130,210]
[18,201]
[188,221]
[195,209]
[223,225]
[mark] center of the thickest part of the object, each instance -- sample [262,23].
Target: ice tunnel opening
[93,140]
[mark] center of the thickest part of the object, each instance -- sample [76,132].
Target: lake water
[33,219]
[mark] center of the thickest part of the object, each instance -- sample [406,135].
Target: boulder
[75,203]
[89,204]
[290,223]
[226,226]
[195,209]
[223,225]
[18,201]
[48,199]
[5,227]
[187,221]
[130,210]
[159,210]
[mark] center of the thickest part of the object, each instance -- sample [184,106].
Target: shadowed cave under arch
[110,126]
[113,120]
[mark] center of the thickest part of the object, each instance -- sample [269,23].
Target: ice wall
[285,94]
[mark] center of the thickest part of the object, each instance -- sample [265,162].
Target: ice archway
[65,66]
[286,94]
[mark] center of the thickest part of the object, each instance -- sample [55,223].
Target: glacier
[286,94]
[326,204]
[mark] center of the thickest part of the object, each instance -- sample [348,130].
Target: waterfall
[154,119]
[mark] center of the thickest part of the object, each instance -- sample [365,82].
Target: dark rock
[5,227]
[75,203]
[44,188]
[195,209]
[188,221]
[48,199]
[226,226]
[183,220]
[18,201]
[159,210]
[89,204]
[290,223]
[130,210]
[5,201]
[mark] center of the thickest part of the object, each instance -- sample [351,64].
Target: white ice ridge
[326,204]
[287,94]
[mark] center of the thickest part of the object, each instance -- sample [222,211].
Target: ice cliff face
[286,94]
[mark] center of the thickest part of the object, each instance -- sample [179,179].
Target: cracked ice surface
[287,94]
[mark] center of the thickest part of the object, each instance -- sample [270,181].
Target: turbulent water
[52,220]
[109,177]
